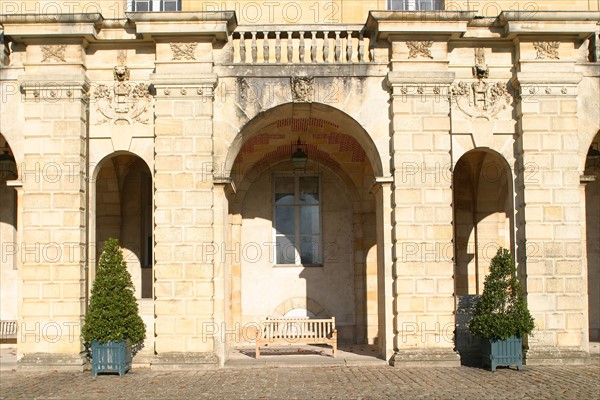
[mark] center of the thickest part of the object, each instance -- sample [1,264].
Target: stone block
[168,271]
[569,303]
[565,267]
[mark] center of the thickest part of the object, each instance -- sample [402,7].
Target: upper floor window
[155,5]
[415,5]
[297,220]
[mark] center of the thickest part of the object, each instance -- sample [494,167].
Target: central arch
[332,238]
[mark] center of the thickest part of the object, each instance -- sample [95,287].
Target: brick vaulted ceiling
[323,141]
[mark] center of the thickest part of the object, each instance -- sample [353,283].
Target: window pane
[285,250]
[141,5]
[170,5]
[309,190]
[309,246]
[309,219]
[284,220]
[284,190]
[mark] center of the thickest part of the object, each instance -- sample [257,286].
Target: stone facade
[170,131]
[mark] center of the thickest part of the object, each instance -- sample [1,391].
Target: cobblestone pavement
[332,382]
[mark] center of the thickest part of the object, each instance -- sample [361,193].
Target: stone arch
[122,203]
[306,112]
[482,183]
[483,203]
[305,303]
[337,148]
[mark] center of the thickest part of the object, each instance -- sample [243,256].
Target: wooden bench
[295,332]
[8,331]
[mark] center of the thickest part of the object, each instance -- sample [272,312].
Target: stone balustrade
[335,44]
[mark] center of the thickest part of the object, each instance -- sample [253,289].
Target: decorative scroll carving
[123,103]
[54,52]
[480,99]
[480,70]
[546,50]
[183,51]
[302,89]
[422,48]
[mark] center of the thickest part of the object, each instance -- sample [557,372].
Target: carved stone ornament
[480,70]
[124,103]
[302,89]
[480,99]
[54,52]
[546,50]
[422,48]
[183,51]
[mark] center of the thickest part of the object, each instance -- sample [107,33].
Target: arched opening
[592,200]
[306,236]
[8,234]
[483,222]
[124,211]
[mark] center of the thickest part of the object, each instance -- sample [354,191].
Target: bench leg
[257,349]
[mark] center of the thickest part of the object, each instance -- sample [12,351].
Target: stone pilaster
[423,285]
[550,203]
[52,256]
[185,304]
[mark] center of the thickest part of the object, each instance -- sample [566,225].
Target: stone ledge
[555,356]
[185,361]
[425,358]
[47,361]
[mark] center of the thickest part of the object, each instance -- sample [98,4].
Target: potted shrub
[112,324]
[501,317]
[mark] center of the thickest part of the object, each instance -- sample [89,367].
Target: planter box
[505,352]
[111,357]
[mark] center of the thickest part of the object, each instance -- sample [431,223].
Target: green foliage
[501,311]
[113,313]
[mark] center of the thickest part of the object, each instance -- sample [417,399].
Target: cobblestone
[331,382]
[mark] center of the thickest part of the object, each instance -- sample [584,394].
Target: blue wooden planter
[111,357]
[505,352]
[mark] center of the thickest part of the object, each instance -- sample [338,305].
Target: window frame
[296,175]
[437,5]
[154,5]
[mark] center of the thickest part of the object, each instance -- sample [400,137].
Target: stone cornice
[386,23]
[392,25]
[219,24]
[580,24]
[216,25]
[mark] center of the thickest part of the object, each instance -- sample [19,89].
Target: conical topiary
[501,312]
[113,314]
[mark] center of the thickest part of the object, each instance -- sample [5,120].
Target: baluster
[361,47]
[266,47]
[242,47]
[301,48]
[337,50]
[290,48]
[313,47]
[349,47]
[277,47]
[326,46]
[372,47]
[254,48]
